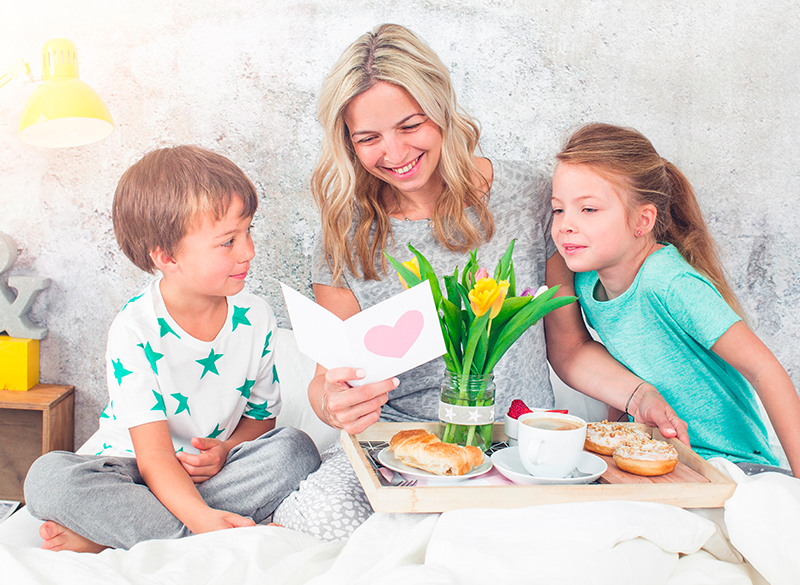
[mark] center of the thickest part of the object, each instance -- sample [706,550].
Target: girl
[651,283]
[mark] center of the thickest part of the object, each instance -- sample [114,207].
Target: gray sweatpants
[106,500]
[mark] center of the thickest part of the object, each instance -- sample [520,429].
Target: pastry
[646,457]
[423,450]
[606,436]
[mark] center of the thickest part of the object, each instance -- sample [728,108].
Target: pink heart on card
[395,341]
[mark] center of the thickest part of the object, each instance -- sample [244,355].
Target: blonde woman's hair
[626,159]
[345,192]
[159,197]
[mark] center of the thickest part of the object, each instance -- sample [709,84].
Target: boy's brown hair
[159,197]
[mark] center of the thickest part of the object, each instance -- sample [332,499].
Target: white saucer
[387,459]
[508,463]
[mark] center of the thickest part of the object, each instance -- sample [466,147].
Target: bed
[754,539]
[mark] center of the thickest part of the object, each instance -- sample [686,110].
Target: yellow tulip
[488,295]
[413,266]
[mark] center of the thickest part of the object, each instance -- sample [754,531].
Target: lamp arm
[20,67]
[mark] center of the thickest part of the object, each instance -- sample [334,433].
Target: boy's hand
[219,520]
[207,463]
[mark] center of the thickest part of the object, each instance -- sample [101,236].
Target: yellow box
[19,363]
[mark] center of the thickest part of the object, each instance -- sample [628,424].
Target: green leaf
[410,278]
[468,276]
[479,358]
[510,307]
[465,297]
[504,265]
[477,328]
[427,272]
[512,282]
[522,321]
[451,286]
[451,315]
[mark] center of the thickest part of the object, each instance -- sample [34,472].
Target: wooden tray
[694,484]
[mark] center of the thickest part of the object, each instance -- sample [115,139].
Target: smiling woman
[398,165]
[404,154]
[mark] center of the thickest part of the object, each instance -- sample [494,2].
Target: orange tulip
[413,266]
[488,295]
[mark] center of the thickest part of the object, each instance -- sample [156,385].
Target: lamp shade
[63,111]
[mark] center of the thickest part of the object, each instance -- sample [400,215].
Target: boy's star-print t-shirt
[157,371]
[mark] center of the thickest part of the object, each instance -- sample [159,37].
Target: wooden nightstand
[32,423]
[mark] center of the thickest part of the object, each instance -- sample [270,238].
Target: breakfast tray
[694,483]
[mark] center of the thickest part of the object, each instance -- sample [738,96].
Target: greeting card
[384,340]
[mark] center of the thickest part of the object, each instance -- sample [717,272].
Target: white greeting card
[384,340]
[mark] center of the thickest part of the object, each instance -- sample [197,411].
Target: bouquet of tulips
[481,317]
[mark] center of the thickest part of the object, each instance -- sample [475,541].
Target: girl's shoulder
[667,272]
[668,262]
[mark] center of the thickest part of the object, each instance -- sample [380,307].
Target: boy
[188,439]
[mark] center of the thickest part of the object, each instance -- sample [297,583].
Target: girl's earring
[639,233]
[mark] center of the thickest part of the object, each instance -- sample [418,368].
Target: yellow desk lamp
[63,111]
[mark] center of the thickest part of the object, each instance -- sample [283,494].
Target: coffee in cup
[552,424]
[550,443]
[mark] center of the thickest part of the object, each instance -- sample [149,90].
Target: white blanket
[754,541]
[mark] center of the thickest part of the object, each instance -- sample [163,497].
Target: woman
[397,166]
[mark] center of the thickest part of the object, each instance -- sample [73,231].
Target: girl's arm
[163,474]
[350,408]
[586,365]
[214,453]
[743,350]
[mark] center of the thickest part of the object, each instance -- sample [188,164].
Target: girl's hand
[353,408]
[207,463]
[654,411]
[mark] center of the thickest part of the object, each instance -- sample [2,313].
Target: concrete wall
[713,84]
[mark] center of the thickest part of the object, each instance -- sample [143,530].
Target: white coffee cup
[550,443]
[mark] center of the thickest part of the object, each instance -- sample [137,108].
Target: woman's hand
[652,410]
[352,408]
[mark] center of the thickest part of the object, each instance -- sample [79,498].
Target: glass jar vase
[466,409]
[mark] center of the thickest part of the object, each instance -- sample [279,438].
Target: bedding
[753,540]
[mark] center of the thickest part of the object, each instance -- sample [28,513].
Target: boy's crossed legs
[94,502]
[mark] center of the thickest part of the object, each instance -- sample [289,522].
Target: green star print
[119,371]
[152,356]
[159,403]
[132,300]
[265,351]
[275,373]
[245,388]
[209,363]
[109,408]
[216,432]
[183,403]
[258,411]
[165,329]
[239,316]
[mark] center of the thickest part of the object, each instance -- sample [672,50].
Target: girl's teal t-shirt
[662,329]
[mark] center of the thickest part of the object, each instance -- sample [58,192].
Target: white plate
[508,463]
[387,459]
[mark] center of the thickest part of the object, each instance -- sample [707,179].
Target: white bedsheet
[756,539]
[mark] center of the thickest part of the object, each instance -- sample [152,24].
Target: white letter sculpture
[14,309]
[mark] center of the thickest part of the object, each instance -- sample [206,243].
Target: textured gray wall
[713,84]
